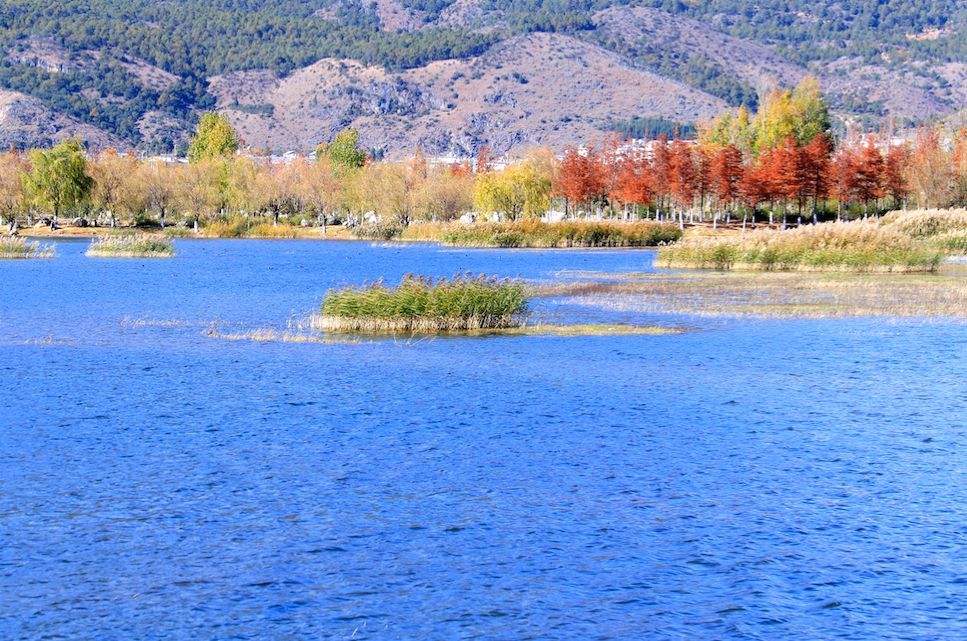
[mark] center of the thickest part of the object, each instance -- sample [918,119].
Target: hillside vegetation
[139,70]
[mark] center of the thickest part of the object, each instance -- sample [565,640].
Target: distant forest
[194,40]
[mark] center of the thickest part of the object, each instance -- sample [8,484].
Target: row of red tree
[679,176]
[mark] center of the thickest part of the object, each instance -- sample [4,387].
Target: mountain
[452,75]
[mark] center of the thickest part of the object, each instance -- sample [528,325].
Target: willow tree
[520,190]
[117,186]
[58,179]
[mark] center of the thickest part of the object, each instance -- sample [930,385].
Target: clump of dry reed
[860,246]
[944,229]
[139,246]
[16,247]
[421,305]
[927,223]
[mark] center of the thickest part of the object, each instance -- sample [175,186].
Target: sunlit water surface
[748,480]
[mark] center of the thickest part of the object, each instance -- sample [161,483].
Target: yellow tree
[319,187]
[243,191]
[391,190]
[114,192]
[522,189]
[12,169]
[157,181]
[447,193]
[197,191]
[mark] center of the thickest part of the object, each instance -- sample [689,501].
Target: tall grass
[16,247]
[927,223]
[140,246]
[862,246]
[944,229]
[424,305]
[538,234]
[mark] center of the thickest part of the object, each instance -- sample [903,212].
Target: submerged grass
[590,329]
[422,305]
[774,294]
[139,246]
[16,247]
[859,246]
[538,234]
[268,335]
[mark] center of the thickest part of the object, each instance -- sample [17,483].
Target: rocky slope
[538,89]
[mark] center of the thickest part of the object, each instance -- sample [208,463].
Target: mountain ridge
[538,72]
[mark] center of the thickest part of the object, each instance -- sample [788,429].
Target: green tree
[812,113]
[801,113]
[344,151]
[58,179]
[214,138]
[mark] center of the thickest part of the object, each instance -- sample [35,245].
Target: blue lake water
[750,480]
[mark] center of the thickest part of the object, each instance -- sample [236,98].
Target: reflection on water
[763,479]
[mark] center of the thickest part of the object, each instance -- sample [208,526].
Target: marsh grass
[139,246]
[774,294]
[943,229]
[859,246]
[538,234]
[15,247]
[421,305]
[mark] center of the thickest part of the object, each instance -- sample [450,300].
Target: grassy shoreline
[859,246]
[525,234]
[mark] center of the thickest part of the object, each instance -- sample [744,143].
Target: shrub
[235,227]
[424,305]
[378,231]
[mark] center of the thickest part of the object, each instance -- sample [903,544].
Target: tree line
[782,161]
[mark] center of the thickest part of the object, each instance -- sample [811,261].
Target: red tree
[633,184]
[726,174]
[485,160]
[682,174]
[869,173]
[814,165]
[894,173]
[661,164]
[578,178]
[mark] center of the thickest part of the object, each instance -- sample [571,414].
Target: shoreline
[333,233]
